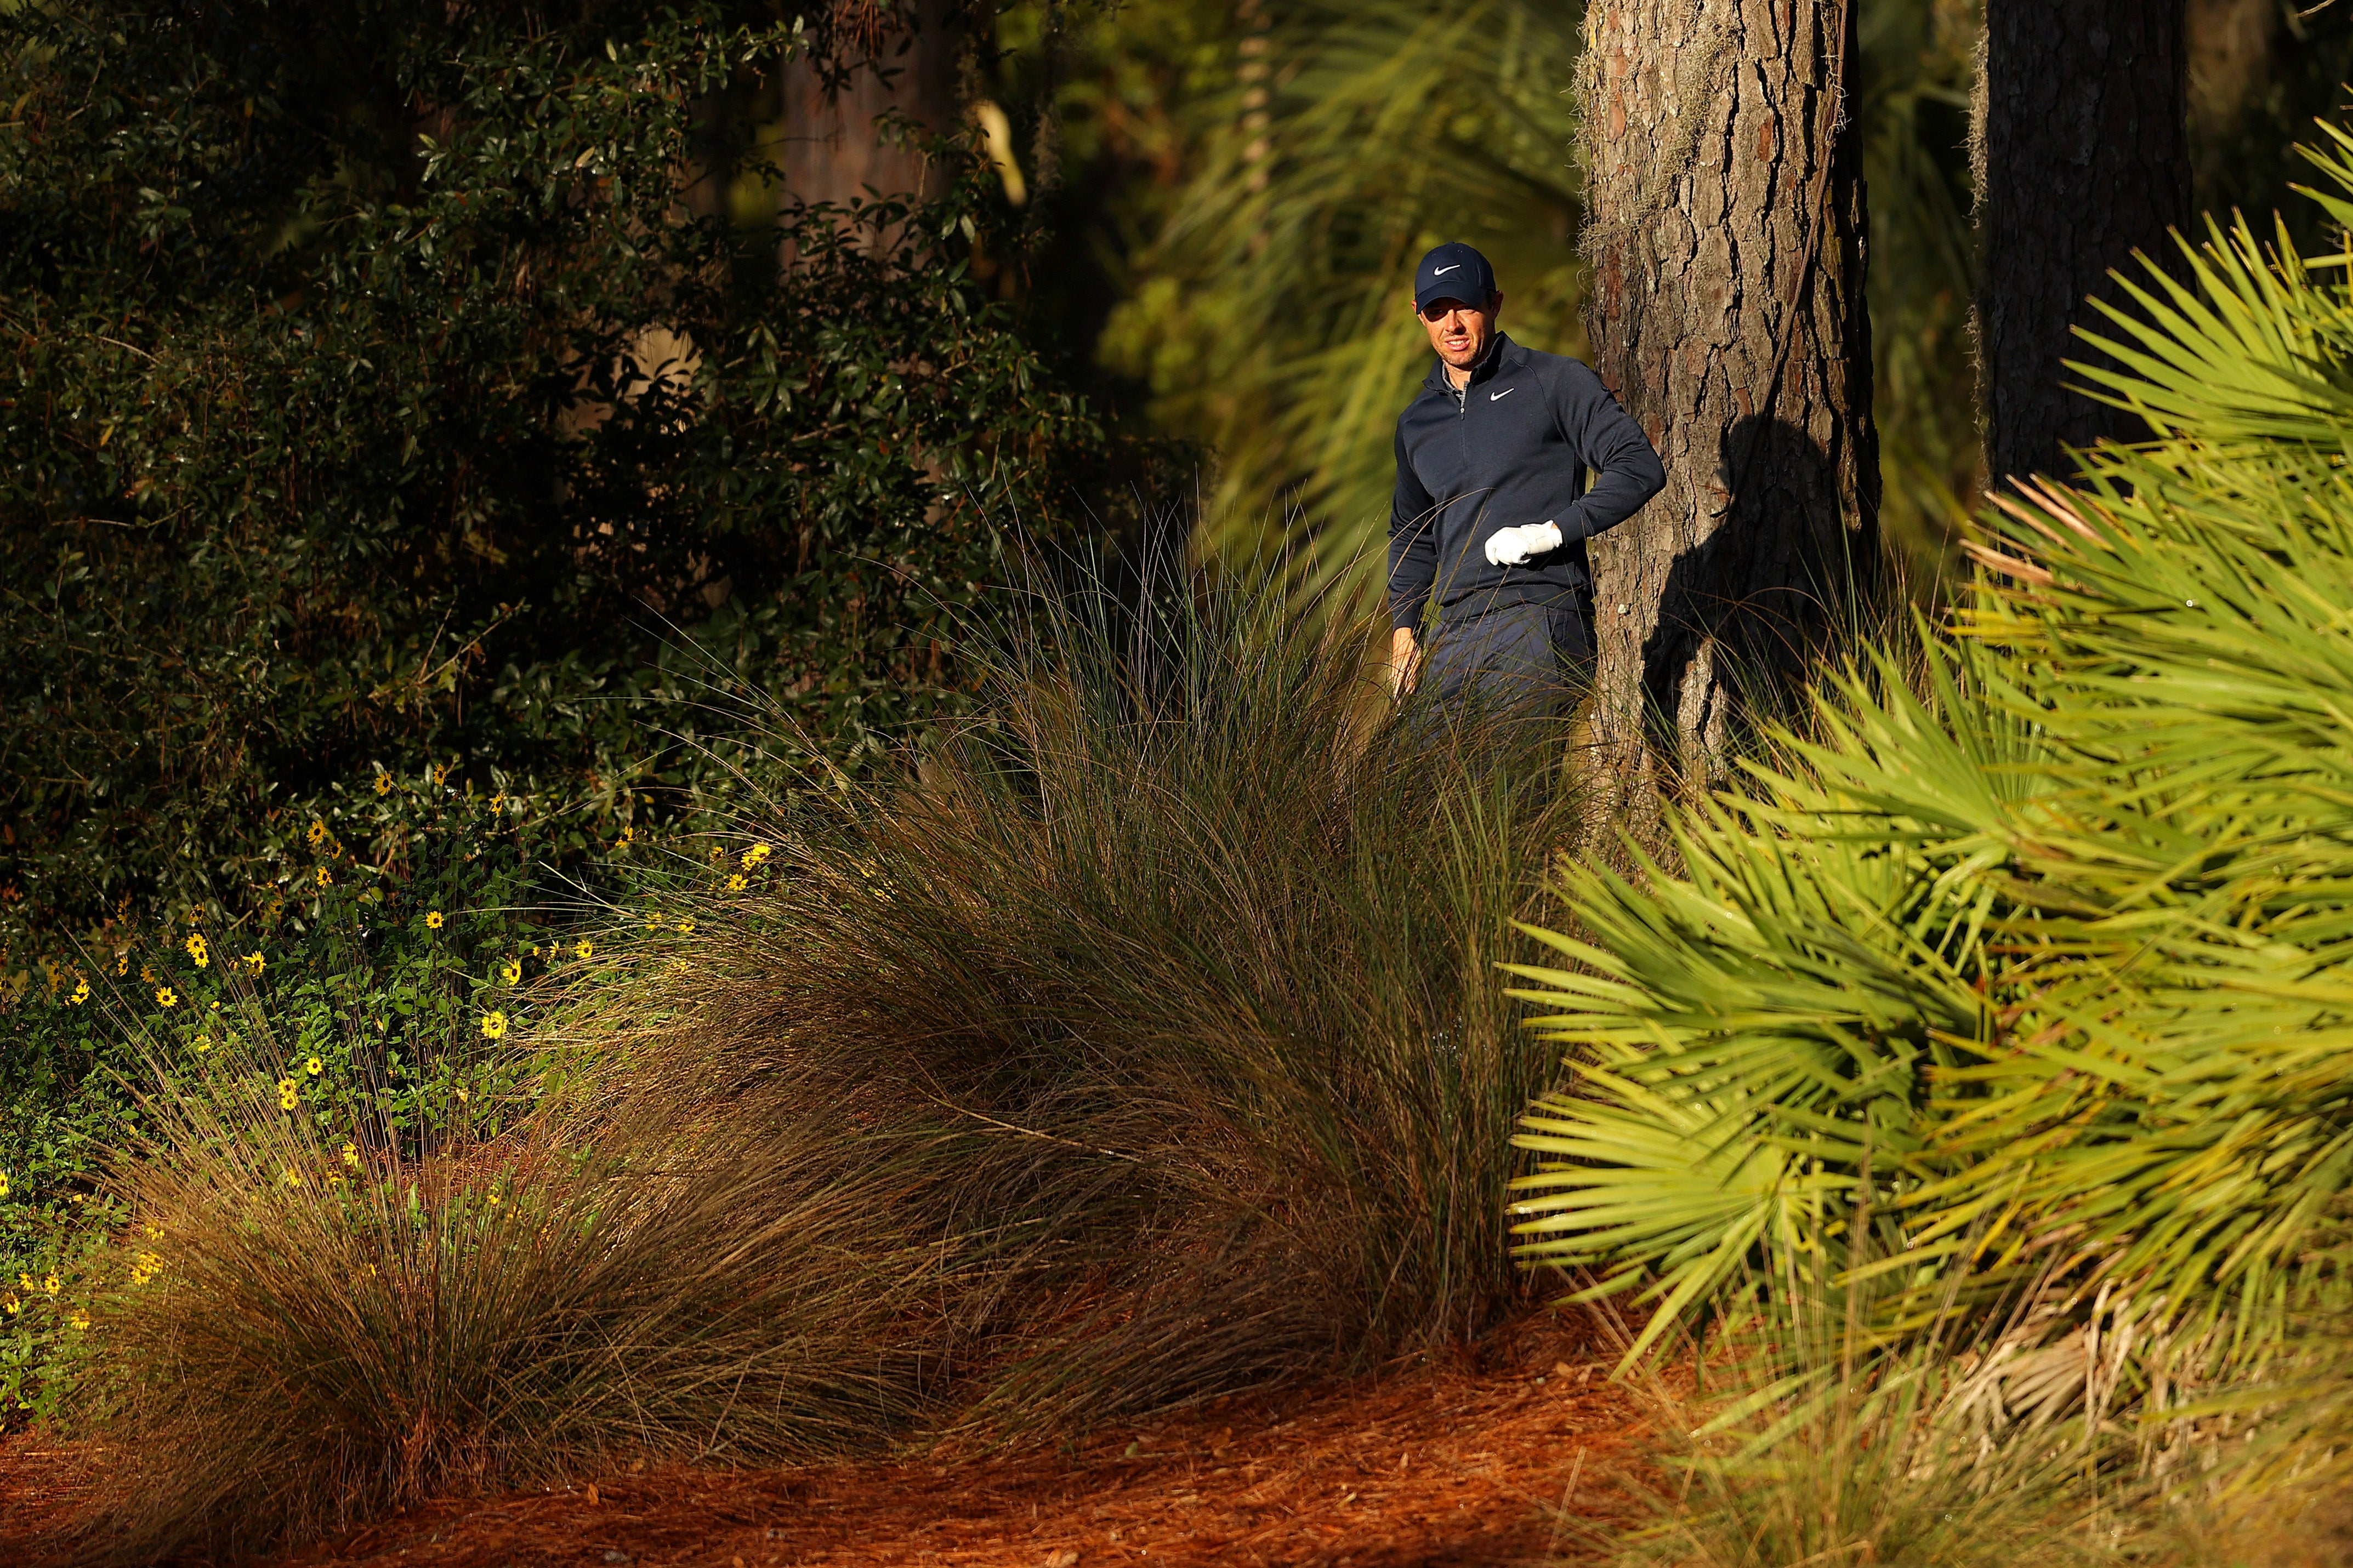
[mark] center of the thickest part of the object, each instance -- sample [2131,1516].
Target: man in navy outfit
[1507,462]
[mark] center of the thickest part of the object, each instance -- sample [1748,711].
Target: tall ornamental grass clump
[303,1328]
[2036,936]
[1174,969]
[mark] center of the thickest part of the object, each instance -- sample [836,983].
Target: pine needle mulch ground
[1452,1464]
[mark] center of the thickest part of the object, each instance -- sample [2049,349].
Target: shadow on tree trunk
[1746,612]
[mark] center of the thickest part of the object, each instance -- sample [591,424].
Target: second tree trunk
[2083,157]
[1726,236]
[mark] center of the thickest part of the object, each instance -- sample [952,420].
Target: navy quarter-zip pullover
[1516,445]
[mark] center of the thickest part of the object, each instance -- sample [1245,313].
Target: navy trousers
[1524,657]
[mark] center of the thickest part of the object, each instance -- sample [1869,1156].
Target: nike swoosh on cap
[1505,393]
[1443,271]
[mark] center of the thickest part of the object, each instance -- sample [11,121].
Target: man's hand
[1405,661]
[1512,546]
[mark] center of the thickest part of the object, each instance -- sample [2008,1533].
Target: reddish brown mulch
[1450,1464]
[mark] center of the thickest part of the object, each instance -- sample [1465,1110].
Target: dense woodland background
[478,388]
[685,775]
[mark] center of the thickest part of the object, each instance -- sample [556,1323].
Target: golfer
[1507,462]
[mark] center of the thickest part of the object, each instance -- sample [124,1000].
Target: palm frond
[2038,937]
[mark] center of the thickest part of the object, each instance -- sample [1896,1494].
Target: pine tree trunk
[1727,236]
[2083,157]
[835,151]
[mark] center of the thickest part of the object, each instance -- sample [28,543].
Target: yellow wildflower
[736,884]
[718,853]
[755,855]
[122,962]
[198,951]
[155,1232]
[495,1197]
[204,1043]
[80,992]
[293,1177]
[440,773]
[583,947]
[166,997]
[326,877]
[463,1096]
[318,831]
[352,1155]
[511,971]
[13,1305]
[80,1319]
[686,928]
[4,1183]
[314,1067]
[494,1026]
[383,781]
[147,972]
[27,1281]
[50,1283]
[255,961]
[433,919]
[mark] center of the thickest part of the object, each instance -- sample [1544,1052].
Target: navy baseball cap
[1452,271]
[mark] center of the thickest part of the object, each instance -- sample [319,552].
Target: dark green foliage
[380,387]
[376,984]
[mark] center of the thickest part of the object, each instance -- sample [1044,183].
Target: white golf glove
[1512,546]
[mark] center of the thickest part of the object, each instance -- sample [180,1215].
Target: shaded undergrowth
[304,1328]
[1176,968]
[1141,1045]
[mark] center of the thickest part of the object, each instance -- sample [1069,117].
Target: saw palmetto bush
[302,1325]
[1176,969]
[2034,935]
[1806,1436]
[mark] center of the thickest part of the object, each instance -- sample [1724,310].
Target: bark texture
[834,151]
[1727,236]
[2083,157]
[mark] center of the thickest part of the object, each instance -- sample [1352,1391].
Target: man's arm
[1413,543]
[1625,471]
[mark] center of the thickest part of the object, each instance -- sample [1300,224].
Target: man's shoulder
[1553,367]
[1430,391]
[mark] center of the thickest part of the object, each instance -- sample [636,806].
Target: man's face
[1460,332]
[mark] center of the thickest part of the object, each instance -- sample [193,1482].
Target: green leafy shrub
[2035,935]
[360,411]
[404,926]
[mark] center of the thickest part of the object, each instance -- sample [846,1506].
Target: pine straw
[1489,1454]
